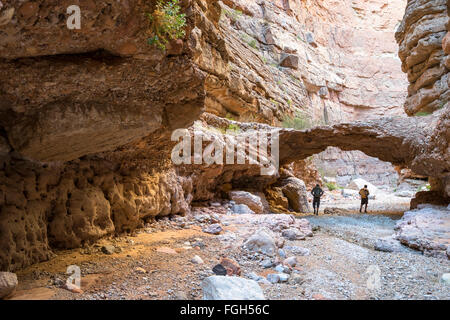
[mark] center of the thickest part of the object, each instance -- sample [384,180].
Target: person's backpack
[317,192]
[363,193]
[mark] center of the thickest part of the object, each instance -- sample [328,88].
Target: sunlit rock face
[424,41]
[337,61]
[346,166]
[424,50]
[346,64]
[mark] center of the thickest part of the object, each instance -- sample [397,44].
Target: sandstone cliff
[424,49]
[330,59]
[86,117]
[327,61]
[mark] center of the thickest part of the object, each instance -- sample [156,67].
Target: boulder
[295,190]
[108,249]
[250,200]
[241,209]
[197,260]
[262,241]
[8,284]
[232,267]
[290,61]
[388,245]
[293,234]
[358,184]
[213,229]
[231,288]
[254,276]
[426,229]
[283,277]
[282,269]
[291,261]
[219,270]
[273,278]
[266,264]
[296,279]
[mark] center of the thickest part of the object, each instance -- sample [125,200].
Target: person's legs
[316,205]
[364,202]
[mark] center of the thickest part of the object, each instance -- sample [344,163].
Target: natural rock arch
[420,144]
[417,143]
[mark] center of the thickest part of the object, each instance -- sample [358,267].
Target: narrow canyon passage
[177,149]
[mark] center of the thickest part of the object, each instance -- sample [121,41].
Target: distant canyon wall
[335,61]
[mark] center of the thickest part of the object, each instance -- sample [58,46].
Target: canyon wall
[424,40]
[335,60]
[85,121]
[332,61]
[86,116]
[424,49]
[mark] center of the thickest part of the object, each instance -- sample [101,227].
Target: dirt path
[156,263]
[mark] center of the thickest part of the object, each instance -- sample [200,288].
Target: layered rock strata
[85,121]
[424,50]
[334,61]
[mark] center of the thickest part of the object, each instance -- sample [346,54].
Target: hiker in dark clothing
[317,193]
[364,193]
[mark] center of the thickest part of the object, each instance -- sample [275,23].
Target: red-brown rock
[446,43]
[232,267]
